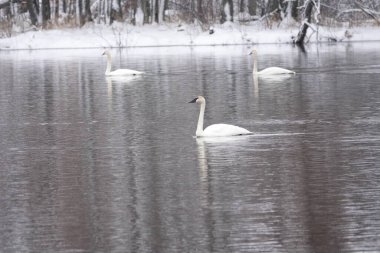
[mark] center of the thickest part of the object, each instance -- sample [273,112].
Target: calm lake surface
[90,164]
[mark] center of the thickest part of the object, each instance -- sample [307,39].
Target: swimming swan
[118,72]
[270,70]
[216,130]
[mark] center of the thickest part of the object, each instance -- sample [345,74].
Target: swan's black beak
[194,100]
[103,53]
[250,53]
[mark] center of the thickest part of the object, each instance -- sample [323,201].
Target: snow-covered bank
[118,35]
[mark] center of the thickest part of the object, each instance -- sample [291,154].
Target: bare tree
[45,4]
[145,7]
[200,12]
[32,12]
[56,10]
[64,6]
[309,4]
[368,11]
[87,7]
[161,10]
[154,11]
[252,5]
[79,12]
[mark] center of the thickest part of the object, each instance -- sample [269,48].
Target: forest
[17,16]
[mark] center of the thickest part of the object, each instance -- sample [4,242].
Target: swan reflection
[218,147]
[214,153]
[255,79]
[123,79]
[120,80]
[202,159]
[274,78]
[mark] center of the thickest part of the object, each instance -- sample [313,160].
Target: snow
[122,35]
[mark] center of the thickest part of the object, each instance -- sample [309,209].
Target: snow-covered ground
[120,35]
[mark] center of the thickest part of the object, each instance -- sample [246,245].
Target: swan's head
[106,52]
[198,100]
[254,52]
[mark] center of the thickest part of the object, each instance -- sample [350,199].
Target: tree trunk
[305,23]
[154,11]
[100,11]
[242,6]
[252,5]
[134,7]
[200,12]
[161,11]
[36,6]
[295,9]
[108,11]
[289,8]
[87,7]
[79,13]
[56,11]
[45,12]
[231,10]
[272,5]
[70,8]
[231,4]
[146,10]
[263,8]
[120,10]
[64,6]
[32,12]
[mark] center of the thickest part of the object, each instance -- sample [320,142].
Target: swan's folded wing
[275,71]
[224,130]
[125,72]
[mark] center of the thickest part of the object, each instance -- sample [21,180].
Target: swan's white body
[223,130]
[216,130]
[270,70]
[118,72]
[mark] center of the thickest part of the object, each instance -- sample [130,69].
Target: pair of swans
[118,72]
[221,130]
[213,130]
[130,72]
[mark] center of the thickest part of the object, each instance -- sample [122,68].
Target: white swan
[216,130]
[118,72]
[270,70]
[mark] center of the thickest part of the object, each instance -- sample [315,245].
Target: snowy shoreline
[126,36]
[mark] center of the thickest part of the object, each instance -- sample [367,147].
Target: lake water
[90,164]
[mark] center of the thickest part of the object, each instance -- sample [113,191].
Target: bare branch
[367,11]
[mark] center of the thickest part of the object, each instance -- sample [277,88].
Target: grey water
[92,164]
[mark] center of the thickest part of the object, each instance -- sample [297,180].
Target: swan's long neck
[254,63]
[200,119]
[109,63]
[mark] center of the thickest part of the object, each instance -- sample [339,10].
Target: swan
[270,70]
[216,130]
[118,72]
